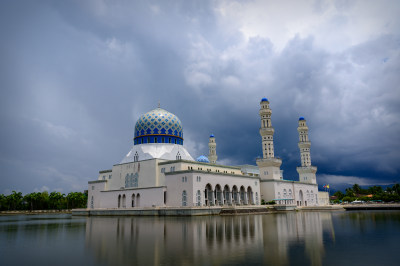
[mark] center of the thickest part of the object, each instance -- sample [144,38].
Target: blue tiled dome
[158,126]
[301,118]
[264,99]
[202,159]
[212,136]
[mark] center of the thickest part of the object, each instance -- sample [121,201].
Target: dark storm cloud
[75,76]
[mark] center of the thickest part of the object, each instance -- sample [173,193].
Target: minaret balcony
[304,144]
[267,131]
[265,162]
[306,169]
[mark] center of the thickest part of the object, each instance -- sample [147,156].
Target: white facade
[159,172]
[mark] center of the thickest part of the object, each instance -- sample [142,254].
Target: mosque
[159,172]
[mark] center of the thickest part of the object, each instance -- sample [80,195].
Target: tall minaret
[212,150]
[266,129]
[269,165]
[306,171]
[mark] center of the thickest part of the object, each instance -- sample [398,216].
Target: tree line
[373,193]
[42,201]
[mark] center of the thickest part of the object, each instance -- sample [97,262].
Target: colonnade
[227,196]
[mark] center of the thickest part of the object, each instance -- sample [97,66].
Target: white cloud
[42,189]
[336,27]
[59,131]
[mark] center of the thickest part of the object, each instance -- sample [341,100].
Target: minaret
[306,171]
[269,165]
[212,148]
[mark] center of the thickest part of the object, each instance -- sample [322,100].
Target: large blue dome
[264,99]
[301,118]
[158,126]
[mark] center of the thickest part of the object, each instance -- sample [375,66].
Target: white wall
[175,186]
[94,192]
[148,197]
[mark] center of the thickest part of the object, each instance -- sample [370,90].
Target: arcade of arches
[219,196]
[134,200]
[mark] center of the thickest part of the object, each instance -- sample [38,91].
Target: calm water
[296,238]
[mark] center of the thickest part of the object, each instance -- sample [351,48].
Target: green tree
[56,200]
[349,192]
[348,199]
[76,200]
[396,189]
[3,202]
[339,194]
[356,188]
[375,190]
[14,201]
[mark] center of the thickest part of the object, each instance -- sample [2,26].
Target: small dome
[301,118]
[212,136]
[264,99]
[202,159]
[158,126]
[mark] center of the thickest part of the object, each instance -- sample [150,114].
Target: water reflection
[254,239]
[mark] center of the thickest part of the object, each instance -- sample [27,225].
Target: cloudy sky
[76,75]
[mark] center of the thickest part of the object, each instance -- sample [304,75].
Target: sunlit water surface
[294,238]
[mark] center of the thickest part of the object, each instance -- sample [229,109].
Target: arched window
[119,201]
[290,193]
[133,200]
[136,156]
[184,198]
[91,203]
[284,194]
[138,200]
[178,156]
[198,198]
[124,201]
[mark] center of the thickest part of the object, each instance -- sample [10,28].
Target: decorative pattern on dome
[202,159]
[158,126]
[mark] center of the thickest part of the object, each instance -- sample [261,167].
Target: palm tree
[356,188]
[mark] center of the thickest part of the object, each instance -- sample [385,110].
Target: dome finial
[158,103]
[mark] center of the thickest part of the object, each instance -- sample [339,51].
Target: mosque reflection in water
[250,239]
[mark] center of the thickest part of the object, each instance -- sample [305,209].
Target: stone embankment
[35,212]
[367,206]
[169,211]
[321,208]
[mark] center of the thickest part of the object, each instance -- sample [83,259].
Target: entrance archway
[235,195]
[242,196]
[301,198]
[227,195]
[218,194]
[250,196]
[208,195]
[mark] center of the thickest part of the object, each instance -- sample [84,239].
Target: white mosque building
[159,172]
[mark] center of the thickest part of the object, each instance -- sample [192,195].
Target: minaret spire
[306,171]
[212,150]
[269,165]
[266,130]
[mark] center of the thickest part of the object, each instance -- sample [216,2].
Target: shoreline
[201,211]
